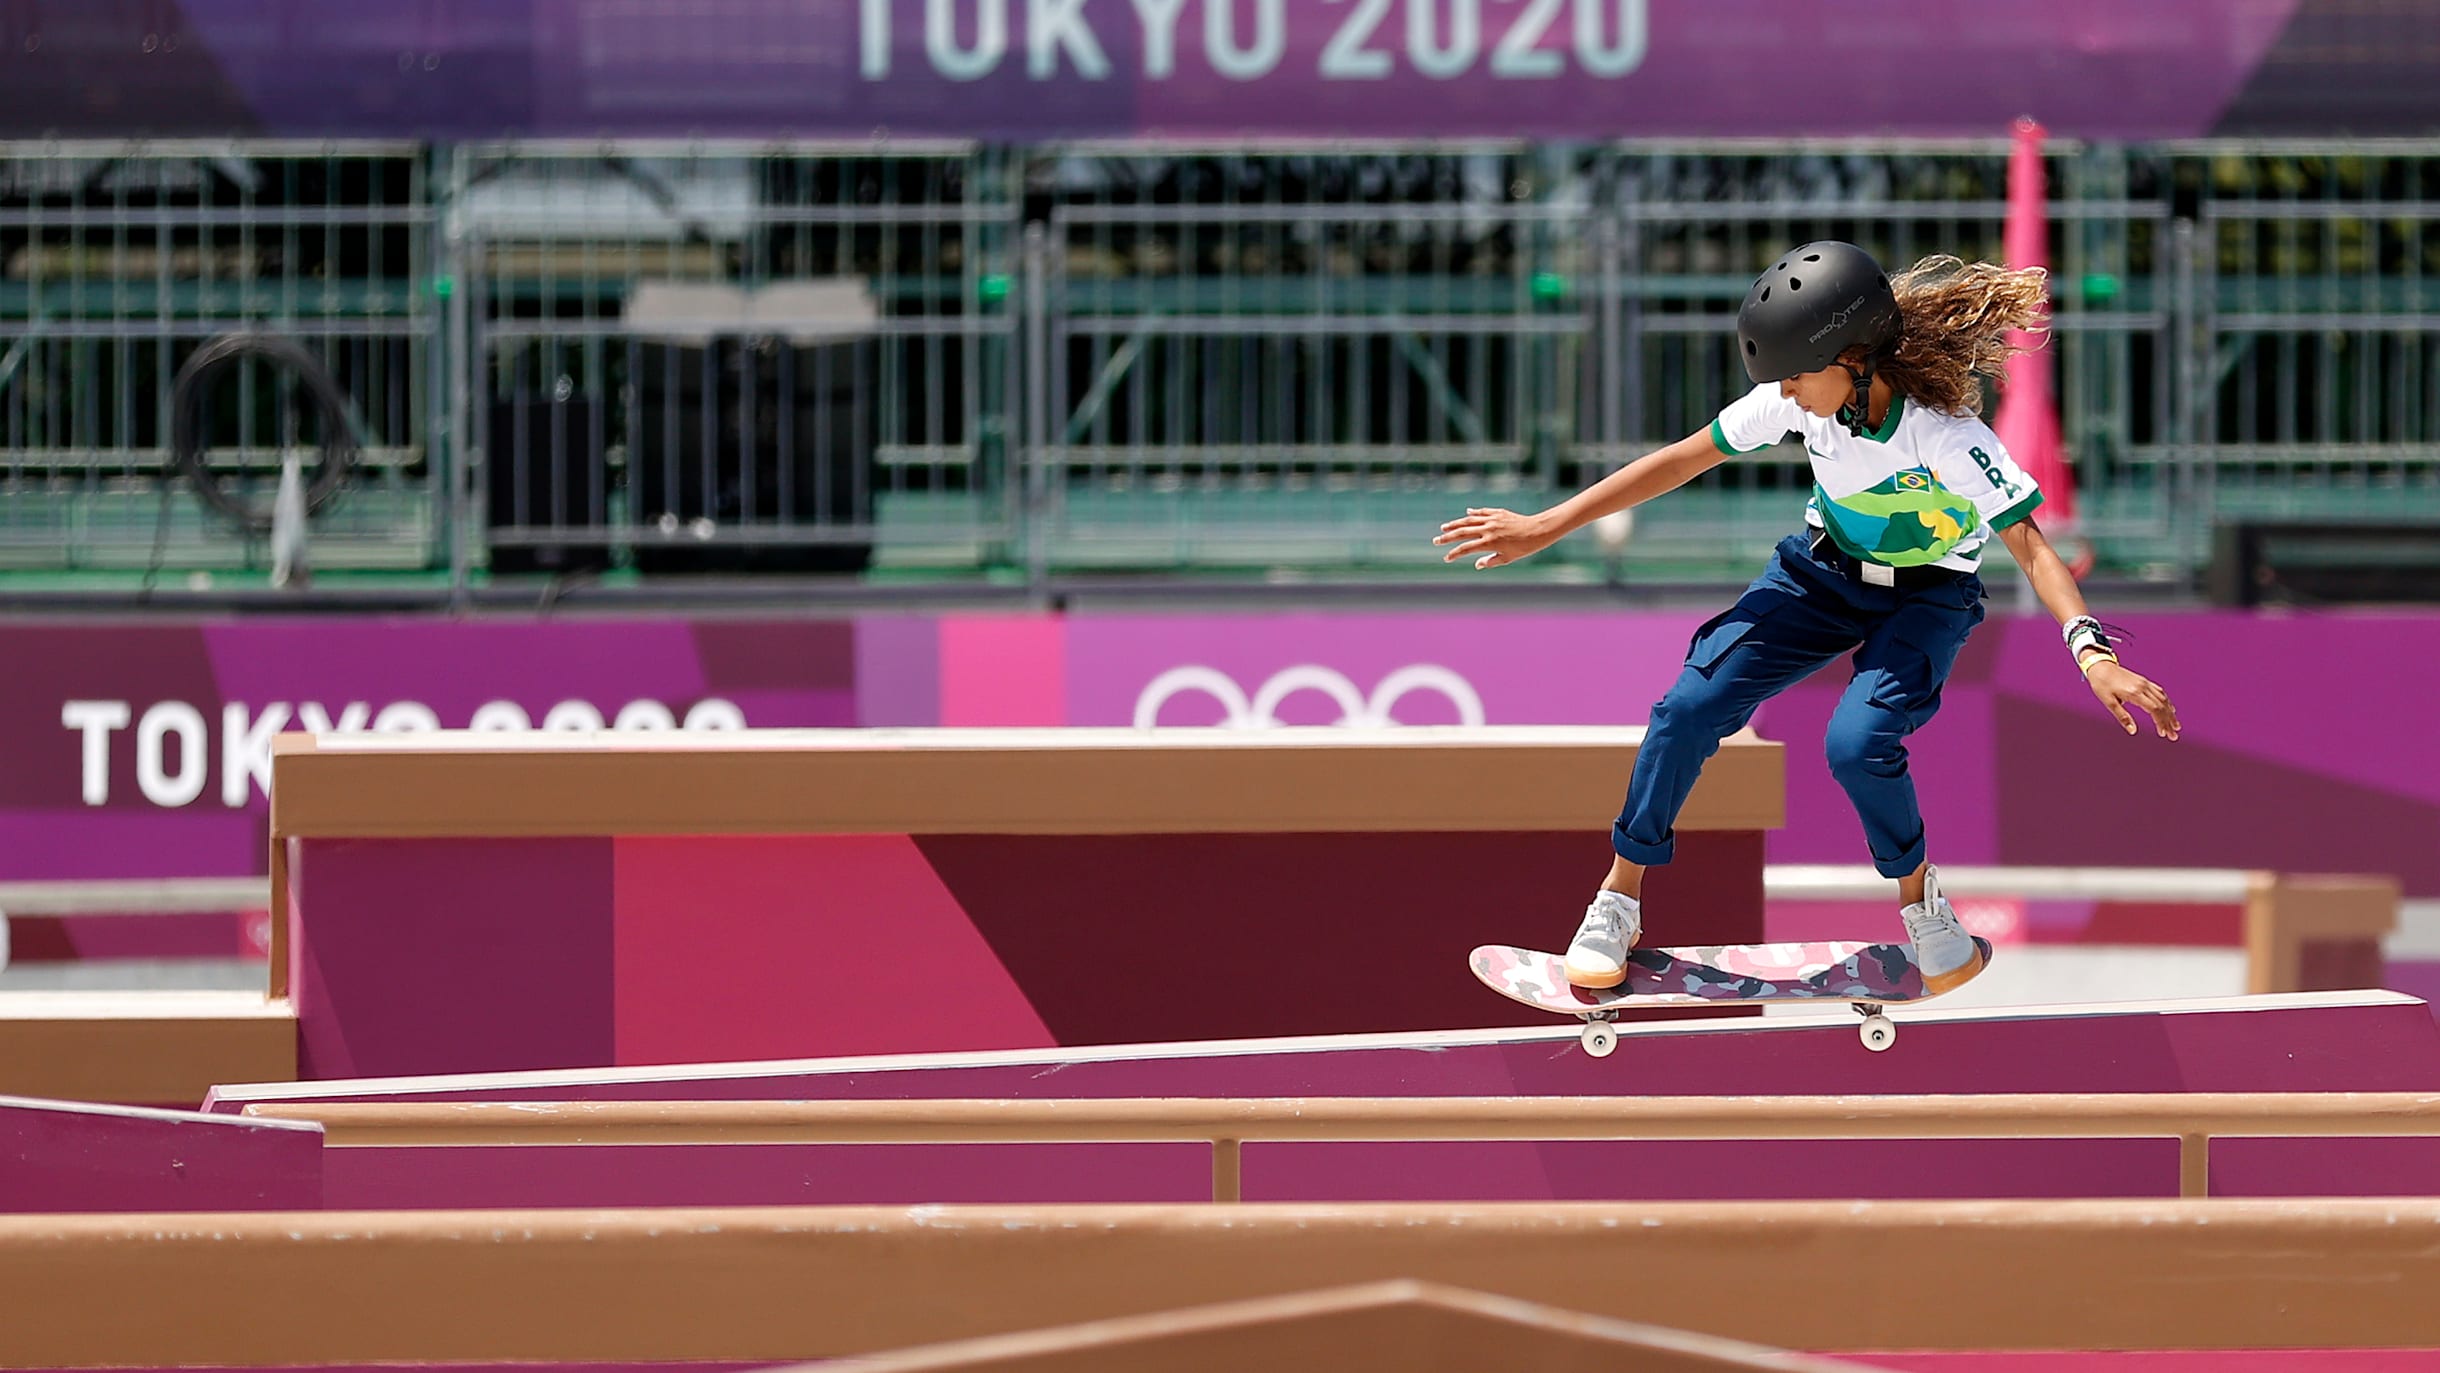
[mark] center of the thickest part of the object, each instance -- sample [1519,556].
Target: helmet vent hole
[1796,283]
[1813,257]
[1766,293]
[1749,348]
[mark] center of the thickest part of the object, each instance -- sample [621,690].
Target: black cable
[188,444]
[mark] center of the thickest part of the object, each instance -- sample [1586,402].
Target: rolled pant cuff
[1649,855]
[1902,866]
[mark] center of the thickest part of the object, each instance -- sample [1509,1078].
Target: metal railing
[733,356]
[1392,363]
[2318,336]
[973,361]
[118,261]
[2194,1119]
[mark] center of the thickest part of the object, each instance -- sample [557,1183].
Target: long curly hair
[1957,317]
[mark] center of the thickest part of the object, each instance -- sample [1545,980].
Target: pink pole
[2028,413]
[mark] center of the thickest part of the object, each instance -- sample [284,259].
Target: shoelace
[1927,919]
[1607,922]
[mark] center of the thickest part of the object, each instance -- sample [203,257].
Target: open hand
[2118,688]
[1499,536]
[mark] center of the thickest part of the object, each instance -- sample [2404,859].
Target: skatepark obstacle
[612,898]
[669,1284]
[2193,1119]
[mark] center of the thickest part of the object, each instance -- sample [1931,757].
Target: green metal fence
[965,362]
[117,262]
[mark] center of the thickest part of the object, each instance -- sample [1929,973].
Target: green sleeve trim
[1720,441]
[2017,513]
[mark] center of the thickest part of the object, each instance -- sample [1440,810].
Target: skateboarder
[1881,379]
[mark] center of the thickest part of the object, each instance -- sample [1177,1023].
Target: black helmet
[1819,301]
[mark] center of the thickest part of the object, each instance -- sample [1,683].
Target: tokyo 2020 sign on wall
[139,748]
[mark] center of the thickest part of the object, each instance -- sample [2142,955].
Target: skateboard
[1869,976]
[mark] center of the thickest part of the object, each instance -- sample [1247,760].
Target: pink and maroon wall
[135,748]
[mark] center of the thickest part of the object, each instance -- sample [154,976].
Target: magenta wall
[469,955]
[2020,767]
[58,1156]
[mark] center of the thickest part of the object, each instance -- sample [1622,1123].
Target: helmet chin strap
[1858,412]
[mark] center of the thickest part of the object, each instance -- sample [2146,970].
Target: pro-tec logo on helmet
[1837,321]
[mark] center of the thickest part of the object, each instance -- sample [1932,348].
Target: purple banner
[1021,70]
[2021,766]
[142,749]
[137,748]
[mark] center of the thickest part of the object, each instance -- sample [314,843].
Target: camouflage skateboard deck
[1869,975]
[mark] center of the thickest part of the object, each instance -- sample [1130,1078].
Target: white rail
[1840,882]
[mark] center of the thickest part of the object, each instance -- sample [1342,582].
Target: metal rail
[2193,1119]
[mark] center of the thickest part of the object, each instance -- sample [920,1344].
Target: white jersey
[1923,488]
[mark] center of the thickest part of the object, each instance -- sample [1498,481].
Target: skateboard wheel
[1599,1039]
[1877,1033]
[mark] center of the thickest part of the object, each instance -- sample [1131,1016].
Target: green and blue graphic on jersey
[1906,521]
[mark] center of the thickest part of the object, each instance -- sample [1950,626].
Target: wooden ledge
[2287,913]
[152,1048]
[732,1283]
[1001,781]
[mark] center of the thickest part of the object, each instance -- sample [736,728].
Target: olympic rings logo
[1261,710]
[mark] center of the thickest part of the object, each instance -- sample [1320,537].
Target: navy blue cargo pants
[1805,609]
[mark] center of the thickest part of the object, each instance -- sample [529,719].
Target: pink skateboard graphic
[1867,975]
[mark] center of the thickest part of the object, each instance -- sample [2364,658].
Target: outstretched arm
[1496,537]
[2117,686]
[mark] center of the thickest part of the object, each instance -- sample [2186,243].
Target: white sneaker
[1947,955]
[1597,956]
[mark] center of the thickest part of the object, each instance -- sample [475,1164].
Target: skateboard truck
[1878,1031]
[1599,1036]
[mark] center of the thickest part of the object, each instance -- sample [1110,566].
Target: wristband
[2082,633]
[2086,664]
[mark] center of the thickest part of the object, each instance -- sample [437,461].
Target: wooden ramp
[142,1048]
[2306,1042]
[2358,1041]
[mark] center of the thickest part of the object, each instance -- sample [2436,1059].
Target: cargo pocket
[1916,660]
[1719,637]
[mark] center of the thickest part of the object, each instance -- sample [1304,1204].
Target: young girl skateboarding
[1880,378]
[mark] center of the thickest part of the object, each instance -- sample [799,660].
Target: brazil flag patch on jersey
[1906,521]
